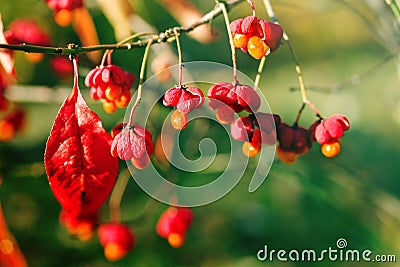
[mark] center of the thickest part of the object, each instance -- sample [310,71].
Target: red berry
[256,47]
[172,96]
[330,150]
[117,129]
[235,26]
[242,128]
[111,84]
[109,107]
[225,114]
[331,129]
[179,120]
[113,92]
[184,98]
[117,240]
[133,142]
[240,40]
[89,82]
[247,98]
[222,93]
[249,25]
[173,224]
[63,17]
[11,124]
[255,129]
[294,138]
[123,100]
[286,156]
[268,34]
[293,141]
[237,96]
[250,150]
[271,34]
[27,31]
[176,240]
[197,96]
[141,163]
[79,225]
[311,130]
[7,131]
[64,4]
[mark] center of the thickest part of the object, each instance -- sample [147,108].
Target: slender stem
[395,8]
[299,114]
[161,38]
[75,65]
[141,80]
[353,80]
[136,35]
[178,44]
[252,7]
[107,53]
[303,91]
[116,196]
[233,50]
[259,72]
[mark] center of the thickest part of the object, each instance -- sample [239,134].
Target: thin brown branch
[166,36]
[286,38]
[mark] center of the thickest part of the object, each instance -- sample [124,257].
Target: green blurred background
[308,205]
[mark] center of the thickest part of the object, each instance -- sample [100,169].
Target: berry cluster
[117,240]
[296,140]
[185,99]
[132,143]
[228,98]
[255,129]
[173,225]
[328,132]
[63,10]
[293,142]
[111,84]
[27,31]
[256,36]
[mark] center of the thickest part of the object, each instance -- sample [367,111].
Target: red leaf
[79,166]
[10,254]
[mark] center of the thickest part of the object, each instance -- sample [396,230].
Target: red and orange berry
[256,47]
[256,36]
[112,85]
[331,149]
[179,120]
[117,240]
